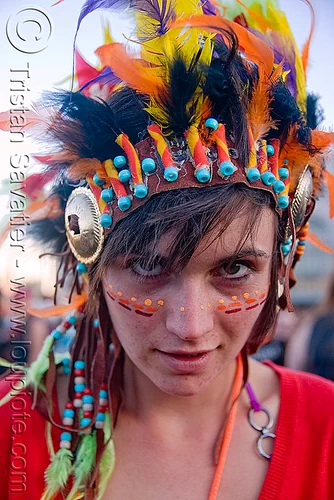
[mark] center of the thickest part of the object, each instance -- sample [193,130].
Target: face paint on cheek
[147,309]
[246,303]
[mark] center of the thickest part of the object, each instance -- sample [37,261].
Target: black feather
[229,86]
[315,113]
[181,90]
[284,111]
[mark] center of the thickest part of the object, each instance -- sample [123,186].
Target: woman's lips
[182,362]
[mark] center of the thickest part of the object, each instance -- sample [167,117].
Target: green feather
[106,468]
[57,473]
[37,369]
[84,463]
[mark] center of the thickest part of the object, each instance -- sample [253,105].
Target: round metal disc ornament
[83,229]
[300,200]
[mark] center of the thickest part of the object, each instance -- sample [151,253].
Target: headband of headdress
[212,101]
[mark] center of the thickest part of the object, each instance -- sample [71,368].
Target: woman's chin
[183,385]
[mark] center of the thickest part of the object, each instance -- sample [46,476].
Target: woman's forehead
[236,240]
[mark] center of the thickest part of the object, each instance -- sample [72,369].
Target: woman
[186,198]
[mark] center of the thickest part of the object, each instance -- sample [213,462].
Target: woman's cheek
[146,305]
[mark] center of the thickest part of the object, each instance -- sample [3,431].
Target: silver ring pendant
[259,444]
[264,430]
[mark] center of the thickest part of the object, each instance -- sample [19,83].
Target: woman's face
[182,330]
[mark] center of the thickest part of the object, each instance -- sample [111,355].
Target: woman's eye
[146,270]
[235,270]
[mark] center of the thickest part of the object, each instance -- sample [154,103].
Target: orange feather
[330,186]
[81,168]
[316,241]
[130,70]
[255,49]
[59,310]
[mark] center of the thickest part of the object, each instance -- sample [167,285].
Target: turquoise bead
[279,187]
[65,436]
[301,243]
[211,123]
[148,165]
[66,370]
[87,399]
[97,180]
[72,320]
[124,203]
[226,168]
[81,268]
[286,161]
[119,161]
[268,178]
[171,174]
[253,174]
[286,247]
[283,173]
[124,176]
[103,394]
[105,220]
[140,191]
[79,387]
[79,365]
[283,201]
[270,150]
[100,417]
[66,362]
[203,175]
[56,335]
[96,323]
[107,195]
[85,421]
[69,413]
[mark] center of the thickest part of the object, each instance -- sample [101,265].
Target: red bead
[88,392]
[104,387]
[79,373]
[69,406]
[67,325]
[103,409]
[81,308]
[87,414]
[78,395]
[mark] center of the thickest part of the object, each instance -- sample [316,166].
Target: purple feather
[92,5]
[161,16]
[107,76]
[208,8]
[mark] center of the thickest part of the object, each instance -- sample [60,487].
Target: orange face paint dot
[148,302]
[202,307]
[257,292]
[119,294]
[133,299]
[234,297]
[246,295]
[110,286]
[182,309]
[209,305]
[160,302]
[221,301]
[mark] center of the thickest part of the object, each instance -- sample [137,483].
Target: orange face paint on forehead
[147,307]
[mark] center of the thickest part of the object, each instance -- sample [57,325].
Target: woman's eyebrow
[246,252]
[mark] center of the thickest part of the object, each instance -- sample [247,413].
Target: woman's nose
[189,313]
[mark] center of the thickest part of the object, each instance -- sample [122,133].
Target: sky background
[54,63]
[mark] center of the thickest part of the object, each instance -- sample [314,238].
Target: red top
[302,464]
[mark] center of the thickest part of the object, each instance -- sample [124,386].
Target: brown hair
[191,214]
